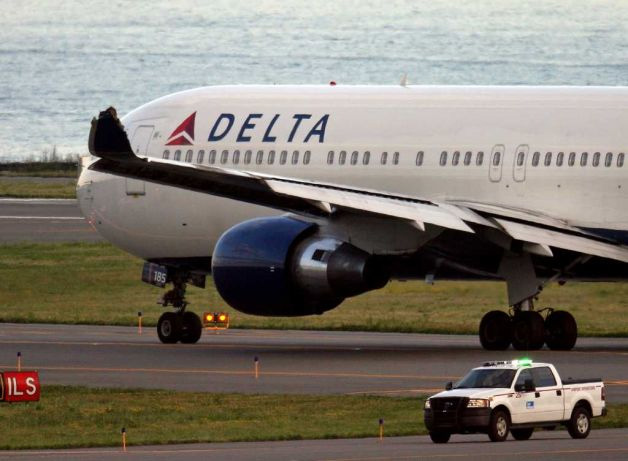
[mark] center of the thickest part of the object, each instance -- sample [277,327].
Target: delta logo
[183,135]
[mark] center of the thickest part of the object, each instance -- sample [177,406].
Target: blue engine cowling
[277,267]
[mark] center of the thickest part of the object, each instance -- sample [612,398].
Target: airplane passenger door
[139,144]
[496,163]
[520,163]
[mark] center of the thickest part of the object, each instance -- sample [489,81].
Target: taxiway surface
[44,220]
[609,444]
[307,362]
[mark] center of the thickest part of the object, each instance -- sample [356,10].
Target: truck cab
[514,396]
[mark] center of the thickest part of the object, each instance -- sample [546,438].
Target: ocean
[61,62]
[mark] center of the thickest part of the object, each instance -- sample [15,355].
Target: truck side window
[525,374]
[543,377]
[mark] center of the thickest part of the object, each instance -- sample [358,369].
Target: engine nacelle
[277,267]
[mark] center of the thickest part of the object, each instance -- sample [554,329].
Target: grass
[15,188]
[83,417]
[69,416]
[99,284]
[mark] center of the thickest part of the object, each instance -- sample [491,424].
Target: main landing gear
[526,330]
[182,325]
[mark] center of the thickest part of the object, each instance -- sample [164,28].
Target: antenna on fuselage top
[404,80]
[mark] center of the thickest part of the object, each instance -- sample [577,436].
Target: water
[63,61]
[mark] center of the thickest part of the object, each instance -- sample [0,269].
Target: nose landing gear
[182,325]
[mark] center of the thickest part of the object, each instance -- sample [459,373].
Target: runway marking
[56,218]
[396,391]
[231,372]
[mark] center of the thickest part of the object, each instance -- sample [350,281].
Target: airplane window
[596,159]
[283,157]
[443,158]
[188,155]
[330,157]
[479,159]
[521,156]
[497,157]
[419,158]
[271,157]
[200,157]
[224,156]
[177,155]
[559,159]
[548,159]
[384,158]
[247,157]
[259,158]
[456,158]
[572,159]
[467,158]
[342,157]
[354,157]
[366,157]
[306,157]
[166,154]
[608,161]
[236,157]
[212,157]
[396,158]
[583,159]
[295,157]
[535,159]
[620,160]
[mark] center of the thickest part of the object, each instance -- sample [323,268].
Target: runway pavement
[43,220]
[609,444]
[306,362]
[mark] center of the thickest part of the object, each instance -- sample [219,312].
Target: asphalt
[609,444]
[43,220]
[301,362]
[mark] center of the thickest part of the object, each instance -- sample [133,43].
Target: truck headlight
[428,405]
[477,403]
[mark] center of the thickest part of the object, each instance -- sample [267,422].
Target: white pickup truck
[514,396]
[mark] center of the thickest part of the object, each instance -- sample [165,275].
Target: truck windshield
[486,378]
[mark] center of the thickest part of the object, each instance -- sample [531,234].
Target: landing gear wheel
[579,425]
[499,426]
[440,437]
[528,331]
[169,328]
[561,331]
[192,328]
[522,434]
[495,331]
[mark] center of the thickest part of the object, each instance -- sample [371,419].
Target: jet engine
[279,266]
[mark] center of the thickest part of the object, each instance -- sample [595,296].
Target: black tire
[579,424]
[495,331]
[169,328]
[499,426]
[561,331]
[522,434]
[192,328]
[440,437]
[528,331]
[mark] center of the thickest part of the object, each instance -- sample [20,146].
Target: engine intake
[277,267]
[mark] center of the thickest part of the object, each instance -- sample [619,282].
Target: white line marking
[44,217]
[43,200]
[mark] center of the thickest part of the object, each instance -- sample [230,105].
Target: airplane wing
[537,233]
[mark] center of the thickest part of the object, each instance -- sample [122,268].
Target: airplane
[294,198]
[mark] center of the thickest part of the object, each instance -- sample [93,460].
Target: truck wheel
[579,425]
[522,434]
[498,426]
[440,437]
[495,331]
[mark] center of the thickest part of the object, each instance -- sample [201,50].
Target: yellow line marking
[231,372]
[397,391]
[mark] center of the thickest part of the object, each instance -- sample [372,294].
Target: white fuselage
[432,137]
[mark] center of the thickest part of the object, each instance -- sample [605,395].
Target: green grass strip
[99,284]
